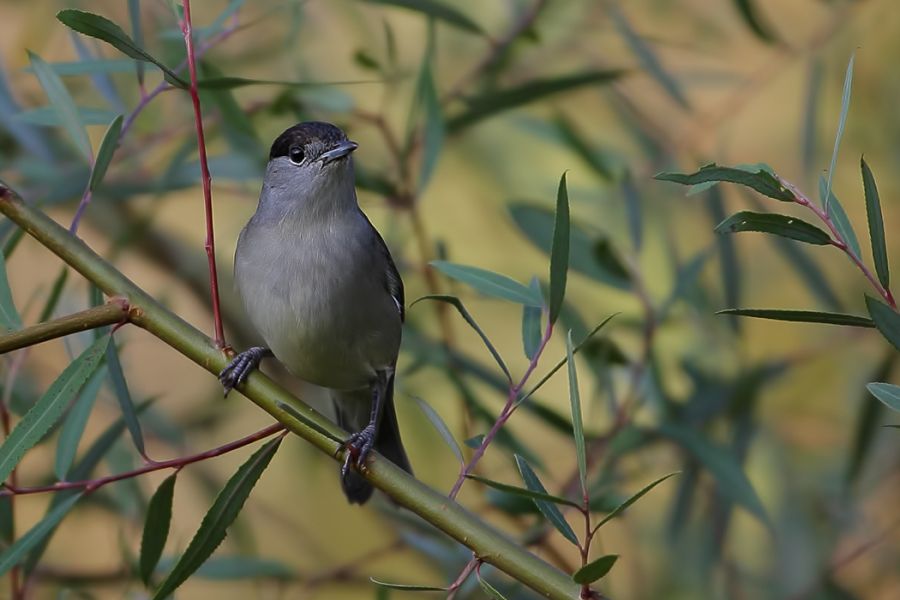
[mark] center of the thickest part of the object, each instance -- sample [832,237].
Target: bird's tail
[353,411]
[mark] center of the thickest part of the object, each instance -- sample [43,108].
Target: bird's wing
[393,283]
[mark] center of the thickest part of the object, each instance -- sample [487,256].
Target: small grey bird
[321,288]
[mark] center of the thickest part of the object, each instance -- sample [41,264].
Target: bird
[321,288]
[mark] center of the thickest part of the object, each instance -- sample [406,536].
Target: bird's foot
[357,448]
[241,366]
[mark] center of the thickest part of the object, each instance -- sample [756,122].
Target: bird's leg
[241,365]
[359,444]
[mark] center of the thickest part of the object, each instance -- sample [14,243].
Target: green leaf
[559,252]
[721,462]
[441,428]
[886,320]
[500,100]
[457,303]
[618,510]
[406,587]
[531,330]
[490,283]
[220,516]
[757,177]
[229,83]
[868,418]
[748,12]
[488,589]
[55,293]
[73,427]
[61,100]
[595,569]
[123,396]
[548,509]
[14,554]
[522,492]
[48,116]
[577,425]
[105,30]
[783,225]
[50,407]
[876,225]
[601,162]
[433,127]
[840,219]
[436,10]
[134,15]
[475,441]
[105,154]
[9,316]
[799,259]
[800,316]
[228,568]
[156,527]
[842,121]
[89,67]
[889,394]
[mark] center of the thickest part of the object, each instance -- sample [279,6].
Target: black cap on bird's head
[312,141]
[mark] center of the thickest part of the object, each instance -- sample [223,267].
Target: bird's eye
[296,154]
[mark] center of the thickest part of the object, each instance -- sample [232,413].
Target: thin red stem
[205,177]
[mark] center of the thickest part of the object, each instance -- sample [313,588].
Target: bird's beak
[340,151]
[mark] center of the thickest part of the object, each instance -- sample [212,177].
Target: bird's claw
[357,449]
[240,367]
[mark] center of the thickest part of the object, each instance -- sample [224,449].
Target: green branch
[114,311]
[488,544]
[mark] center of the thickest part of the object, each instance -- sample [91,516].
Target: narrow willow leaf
[407,587]
[748,12]
[475,441]
[436,10]
[783,225]
[531,330]
[156,527]
[577,425]
[633,210]
[595,569]
[9,316]
[460,307]
[876,225]
[729,264]
[811,274]
[800,316]
[221,515]
[50,407]
[134,14]
[73,427]
[48,116]
[229,83]
[489,283]
[868,417]
[433,127]
[889,394]
[886,320]
[441,428]
[61,100]
[559,251]
[759,178]
[14,554]
[89,66]
[497,101]
[842,121]
[55,293]
[123,396]
[840,219]
[105,154]
[618,510]
[488,589]
[721,462]
[599,161]
[228,568]
[548,509]
[522,492]
[105,30]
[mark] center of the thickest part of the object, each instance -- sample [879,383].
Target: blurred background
[467,113]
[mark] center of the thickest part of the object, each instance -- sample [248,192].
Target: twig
[113,312]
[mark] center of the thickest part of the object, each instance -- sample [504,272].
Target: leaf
[489,283]
[73,427]
[14,554]
[868,417]
[729,264]
[228,83]
[757,177]
[475,441]
[845,106]
[783,225]
[889,394]
[499,100]
[90,66]
[876,225]
[48,116]
[156,527]
[618,510]
[488,589]
[595,569]
[9,316]
[134,15]
[457,303]
[800,316]
[105,30]
[406,587]
[227,568]
[599,161]
[441,428]
[548,509]
[61,100]
[559,251]
[436,10]
[840,219]
[105,154]
[522,492]
[55,293]
[50,407]
[727,471]
[577,425]
[810,272]
[433,128]
[748,12]
[220,516]
[123,396]
[531,330]
[886,320]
